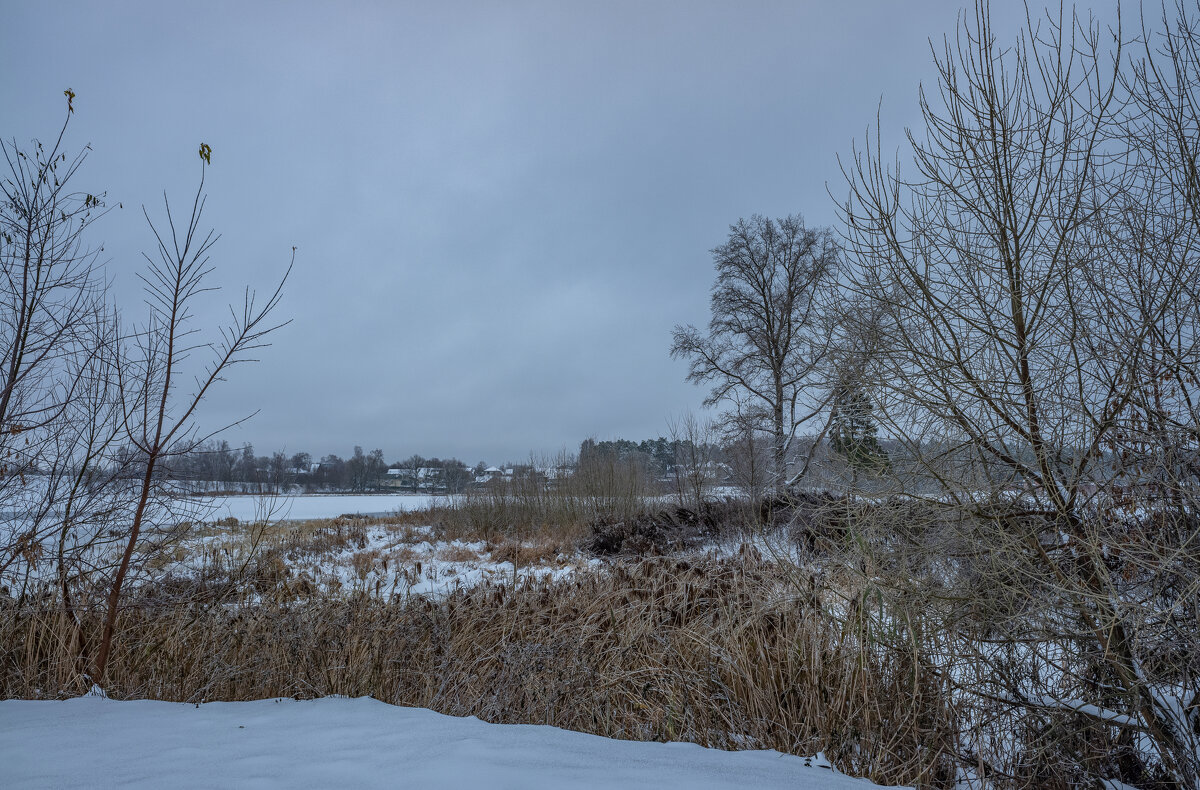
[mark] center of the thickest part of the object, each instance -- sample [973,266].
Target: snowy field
[250,508]
[99,743]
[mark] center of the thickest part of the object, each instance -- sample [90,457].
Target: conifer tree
[853,430]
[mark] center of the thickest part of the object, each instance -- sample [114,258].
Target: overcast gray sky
[501,209]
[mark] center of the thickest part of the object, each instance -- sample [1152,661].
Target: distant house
[487,475]
[425,478]
[493,473]
[556,472]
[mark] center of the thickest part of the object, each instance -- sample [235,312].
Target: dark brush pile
[806,515]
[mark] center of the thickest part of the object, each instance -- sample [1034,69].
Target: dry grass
[458,553]
[363,562]
[865,660]
[313,537]
[714,652]
[530,505]
[545,551]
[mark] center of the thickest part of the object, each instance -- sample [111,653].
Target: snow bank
[94,742]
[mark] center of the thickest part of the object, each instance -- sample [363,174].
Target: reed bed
[721,652]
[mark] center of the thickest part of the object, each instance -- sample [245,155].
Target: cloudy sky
[501,209]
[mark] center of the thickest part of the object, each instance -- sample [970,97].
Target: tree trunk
[779,449]
[114,595]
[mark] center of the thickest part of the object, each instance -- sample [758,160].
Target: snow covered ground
[99,743]
[409,561]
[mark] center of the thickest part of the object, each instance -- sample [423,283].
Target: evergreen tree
[853,430]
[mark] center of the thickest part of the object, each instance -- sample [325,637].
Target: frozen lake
[251,508]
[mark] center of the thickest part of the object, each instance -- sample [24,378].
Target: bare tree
[1164,136]
[356,469]
[694,441]
[57,424]
[1030,272]
[412,467]
[157,414]
[746,443]
[765,344]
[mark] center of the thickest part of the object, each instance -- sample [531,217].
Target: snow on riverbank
[92,742]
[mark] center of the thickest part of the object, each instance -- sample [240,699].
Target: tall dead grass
[724,653]
[877,633]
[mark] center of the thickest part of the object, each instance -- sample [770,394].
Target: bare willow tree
[1032,265]
[157,414]
[766,343]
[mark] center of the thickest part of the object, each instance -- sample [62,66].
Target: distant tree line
[699,453]
[217,462]
[659,455]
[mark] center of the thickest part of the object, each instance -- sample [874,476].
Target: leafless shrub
[1031,275]
[157,418]
[747,447]
[60,491]
[695,471]
[533,503]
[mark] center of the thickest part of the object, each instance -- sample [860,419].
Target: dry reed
[719,652]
